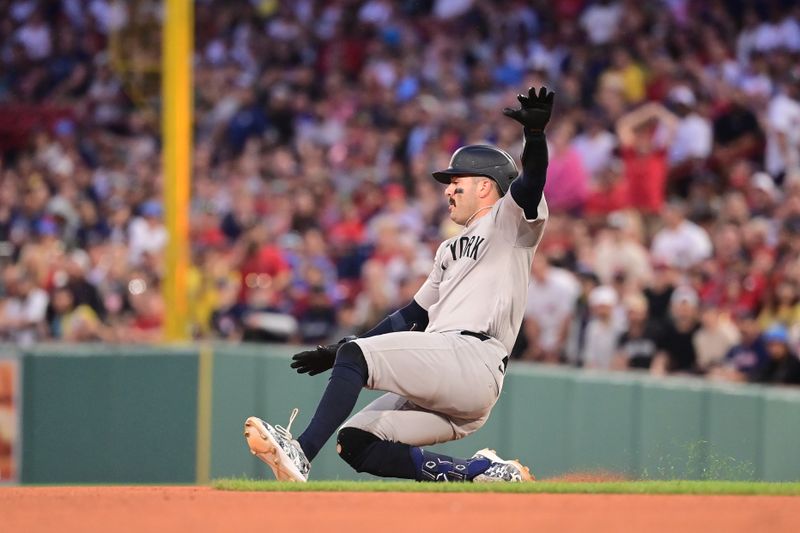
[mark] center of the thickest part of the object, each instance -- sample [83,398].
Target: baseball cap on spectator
[64,127]
[681,94]
[46,227]
[290,241]
[684,294]
[150,208]
[764,182]
[776,333]
[603,295]
[81,259]
[617,220]
[587,274]
[61,207]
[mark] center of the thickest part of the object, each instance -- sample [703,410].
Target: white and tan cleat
[501,470]
[275,446]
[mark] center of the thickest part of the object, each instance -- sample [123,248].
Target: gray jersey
[480,277]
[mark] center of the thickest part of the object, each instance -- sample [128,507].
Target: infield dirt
[204,510]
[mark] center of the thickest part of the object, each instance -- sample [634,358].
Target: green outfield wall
[174,415]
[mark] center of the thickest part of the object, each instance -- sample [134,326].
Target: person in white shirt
[783,129]
[22,314]
[595,146]
[552,294]
[147,233]
[35,37]
[780,31]
[601,20]
[693,137]
[603,330]
[680,243]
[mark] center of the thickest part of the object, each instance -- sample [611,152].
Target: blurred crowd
[674,177]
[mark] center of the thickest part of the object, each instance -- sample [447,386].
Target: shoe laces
[284,431]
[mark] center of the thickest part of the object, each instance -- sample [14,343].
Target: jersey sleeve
[510,220]
[428,294]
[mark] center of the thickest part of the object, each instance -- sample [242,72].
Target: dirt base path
[203,510]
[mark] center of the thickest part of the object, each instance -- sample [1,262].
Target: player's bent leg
[457,375]
[384,439]
[395,419]
[365,452]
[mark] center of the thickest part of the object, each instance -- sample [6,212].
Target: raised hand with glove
[534,114]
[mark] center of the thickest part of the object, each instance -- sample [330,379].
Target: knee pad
[350,358]
[351,443]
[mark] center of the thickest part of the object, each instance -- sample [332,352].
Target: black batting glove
[318,360]
[534,111]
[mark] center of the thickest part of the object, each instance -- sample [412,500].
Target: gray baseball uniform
[441,383]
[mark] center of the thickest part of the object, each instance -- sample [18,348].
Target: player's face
[462,198]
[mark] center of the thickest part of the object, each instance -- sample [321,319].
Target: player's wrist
[534,132]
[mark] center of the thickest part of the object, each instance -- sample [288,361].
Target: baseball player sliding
[441,359]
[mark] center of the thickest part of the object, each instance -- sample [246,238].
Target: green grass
[540,487]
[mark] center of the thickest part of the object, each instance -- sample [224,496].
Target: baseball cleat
[275,447]
[501,470]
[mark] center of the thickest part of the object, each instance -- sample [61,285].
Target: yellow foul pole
[176,128]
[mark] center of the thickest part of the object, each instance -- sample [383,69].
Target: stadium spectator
[715,338]
[70,322]
[567,180]
[24,307]
[602,330]
[692,143]
[576,336]
[676,347]
[644,135]
[618,251]
[783,128]
[552,295]
[781,306]
[680,243]
[595,145]
[637,346]
[745,359]
[782,365]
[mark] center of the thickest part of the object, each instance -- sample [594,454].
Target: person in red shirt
[261,263]
[609,193]
[644,135]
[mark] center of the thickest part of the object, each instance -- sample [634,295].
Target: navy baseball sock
[348,377]
[436,467]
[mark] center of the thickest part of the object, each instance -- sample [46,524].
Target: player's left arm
[534,114]
[520,216]
[412,317]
